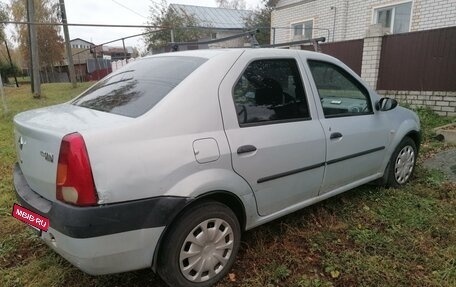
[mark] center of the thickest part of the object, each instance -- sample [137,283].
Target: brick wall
[354,16]
[318,10]
[371,60]
[432,14]
[443,103]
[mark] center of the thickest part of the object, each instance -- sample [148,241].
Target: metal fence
[419,61]
[349,52]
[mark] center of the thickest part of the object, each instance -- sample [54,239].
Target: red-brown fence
[350,52]
[419,61]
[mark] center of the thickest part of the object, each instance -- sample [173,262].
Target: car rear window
[139,86]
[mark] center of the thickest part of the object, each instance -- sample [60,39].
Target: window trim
[272,122]
[352,79]
[392,5]
[292,35]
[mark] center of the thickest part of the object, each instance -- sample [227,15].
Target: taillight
[74,182]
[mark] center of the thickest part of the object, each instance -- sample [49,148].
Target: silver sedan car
[164,163]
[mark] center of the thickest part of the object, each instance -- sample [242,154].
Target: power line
[101,25]
[79,24]
[129,9]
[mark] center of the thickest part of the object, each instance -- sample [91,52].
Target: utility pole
[34,49]
[97,64]
[67,44]
[125,50]
[29,42]
[2,94]
[11,63]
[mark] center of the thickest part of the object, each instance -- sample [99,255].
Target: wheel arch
[416,137]
[230,199]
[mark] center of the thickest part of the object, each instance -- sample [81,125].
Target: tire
[209,231]
[402,163]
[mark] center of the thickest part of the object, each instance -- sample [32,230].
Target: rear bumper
[102,239]
[115,253]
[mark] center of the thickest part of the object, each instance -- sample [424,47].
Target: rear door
[276,140]
[356,136]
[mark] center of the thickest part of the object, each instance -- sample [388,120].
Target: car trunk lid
[38,136]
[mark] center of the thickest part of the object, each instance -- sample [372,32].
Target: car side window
[270,91]
[340,93]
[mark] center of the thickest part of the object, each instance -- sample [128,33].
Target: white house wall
[431,14]
[354,16]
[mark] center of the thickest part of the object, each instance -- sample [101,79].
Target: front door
[357,137]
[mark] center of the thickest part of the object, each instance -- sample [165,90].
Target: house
[117,53]
[340,20]
[220,22]
[81,51]
[85,65]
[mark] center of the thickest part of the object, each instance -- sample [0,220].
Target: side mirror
[385,104]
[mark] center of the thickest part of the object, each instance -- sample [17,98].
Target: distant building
[118,53]
[88,60]
[221,22]
[81,51]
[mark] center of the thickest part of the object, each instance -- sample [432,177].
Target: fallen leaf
[232,277]
[335,274]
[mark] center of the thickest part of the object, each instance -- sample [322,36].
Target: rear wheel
[402,163]
[200,246]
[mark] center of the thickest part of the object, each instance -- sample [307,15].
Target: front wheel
[402,163]
[201,246]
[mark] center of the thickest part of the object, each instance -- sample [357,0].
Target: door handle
[246,149]
[334,136]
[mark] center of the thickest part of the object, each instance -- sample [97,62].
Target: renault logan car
[165,162]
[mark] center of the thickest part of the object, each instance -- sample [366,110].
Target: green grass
[369,236]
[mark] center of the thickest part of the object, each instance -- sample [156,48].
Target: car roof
[210,53]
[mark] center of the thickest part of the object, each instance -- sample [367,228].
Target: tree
[50,42]
[3,17]
[182,26]
[231,4]
[261,19]
[6,69]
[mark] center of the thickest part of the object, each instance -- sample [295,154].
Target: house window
[303,30]
[395,18]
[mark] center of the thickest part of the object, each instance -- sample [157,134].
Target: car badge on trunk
[47,156]
[21,142]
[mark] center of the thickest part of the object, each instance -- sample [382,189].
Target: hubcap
[206,250]
[404,164]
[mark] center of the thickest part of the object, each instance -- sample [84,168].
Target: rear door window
[139,86]
[270,91]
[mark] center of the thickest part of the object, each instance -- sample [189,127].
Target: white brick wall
[354,16]
[318,10]
[433,14]
[443,103]
[371,60]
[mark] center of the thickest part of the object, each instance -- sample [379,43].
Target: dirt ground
[445,162]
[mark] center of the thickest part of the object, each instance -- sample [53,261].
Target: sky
[115,12]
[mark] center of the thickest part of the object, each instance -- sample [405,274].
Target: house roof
[79,39]
[217,18]
[110,49]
